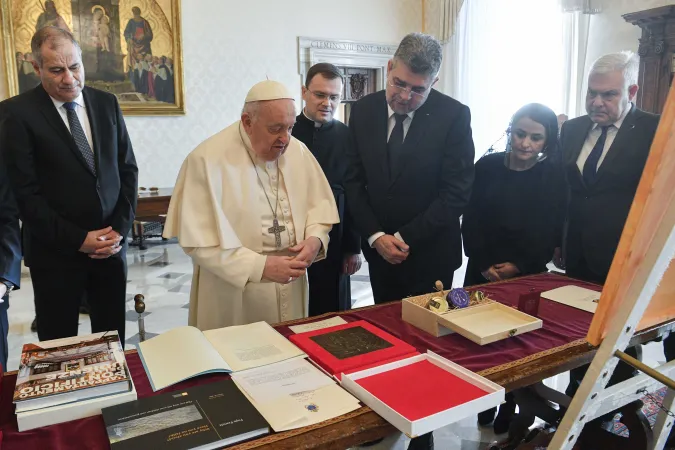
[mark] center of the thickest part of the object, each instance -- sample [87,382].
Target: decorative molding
[366,55]
[358,85]
[643,49]
[582,6]
[350,46]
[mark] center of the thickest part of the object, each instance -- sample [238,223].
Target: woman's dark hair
[542,115]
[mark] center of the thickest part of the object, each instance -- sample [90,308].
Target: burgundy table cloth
[562,326]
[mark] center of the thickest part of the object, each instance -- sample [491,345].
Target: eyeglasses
[334,98]
[414,92]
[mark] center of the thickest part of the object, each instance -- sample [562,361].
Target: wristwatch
[9,285]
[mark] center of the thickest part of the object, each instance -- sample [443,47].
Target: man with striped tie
[74,176]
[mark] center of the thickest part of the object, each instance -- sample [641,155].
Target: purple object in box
[458,298]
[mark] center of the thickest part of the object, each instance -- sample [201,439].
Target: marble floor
[163,275]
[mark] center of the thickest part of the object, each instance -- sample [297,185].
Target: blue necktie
[79,136]
[591,165]
[395,142]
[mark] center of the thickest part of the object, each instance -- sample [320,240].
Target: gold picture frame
[117,37]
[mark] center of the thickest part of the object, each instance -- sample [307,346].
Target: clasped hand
[393,250]
[285,269]
[501,271]
[102,244]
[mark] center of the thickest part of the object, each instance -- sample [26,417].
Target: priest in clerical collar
[253,210]
[328,139]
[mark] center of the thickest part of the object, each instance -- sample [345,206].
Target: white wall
[609,32]
[229,45]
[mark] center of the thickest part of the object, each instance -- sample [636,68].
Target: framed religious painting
[130,48]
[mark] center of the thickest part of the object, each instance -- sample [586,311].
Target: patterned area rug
[650,410]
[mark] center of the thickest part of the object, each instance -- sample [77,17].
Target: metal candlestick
[139,306]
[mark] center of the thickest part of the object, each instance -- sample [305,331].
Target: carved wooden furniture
[657,55]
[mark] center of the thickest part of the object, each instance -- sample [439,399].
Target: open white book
[186,352]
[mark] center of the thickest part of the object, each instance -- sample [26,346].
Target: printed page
[306,408]
[574,296]
[333,321]
[177,355]
[253,345]
[267,383]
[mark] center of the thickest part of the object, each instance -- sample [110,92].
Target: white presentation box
[488,323]
[483,324]
[494,395]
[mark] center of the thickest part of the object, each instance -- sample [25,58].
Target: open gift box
[484,323]
[422,393]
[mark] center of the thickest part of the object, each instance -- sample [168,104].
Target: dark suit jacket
[10,240]
[425,196]
[59,198]
[597,213]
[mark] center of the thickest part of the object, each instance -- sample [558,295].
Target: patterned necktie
[591,164]
[79,136]
[395,142]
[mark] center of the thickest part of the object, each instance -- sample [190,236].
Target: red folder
[336,366]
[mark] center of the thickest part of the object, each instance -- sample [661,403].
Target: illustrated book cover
[71,369]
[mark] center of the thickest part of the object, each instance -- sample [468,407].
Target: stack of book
[72,378]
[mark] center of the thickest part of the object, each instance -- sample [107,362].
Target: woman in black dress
[514,219]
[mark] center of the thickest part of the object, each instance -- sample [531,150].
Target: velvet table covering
[563,326]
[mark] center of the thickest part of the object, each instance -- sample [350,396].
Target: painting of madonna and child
[130,48]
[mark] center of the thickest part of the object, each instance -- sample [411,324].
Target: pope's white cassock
[221,216]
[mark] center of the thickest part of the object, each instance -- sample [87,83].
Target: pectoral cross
[276,229]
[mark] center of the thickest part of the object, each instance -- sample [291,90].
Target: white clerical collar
[79,100]
[411,114]
[619,122]
[316,124]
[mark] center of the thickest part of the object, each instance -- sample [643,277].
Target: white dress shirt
[390,127]
[392,122]
[81,111]
[593,137]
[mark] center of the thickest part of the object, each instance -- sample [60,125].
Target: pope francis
[253,209]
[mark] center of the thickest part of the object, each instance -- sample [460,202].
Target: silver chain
[655,401]
[276,206]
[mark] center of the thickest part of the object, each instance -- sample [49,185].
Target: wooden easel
[640,292]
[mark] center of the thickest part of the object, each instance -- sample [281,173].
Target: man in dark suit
[75,179]
[409,177]
[10,256]
[410,174]
[604,154]
[328,139]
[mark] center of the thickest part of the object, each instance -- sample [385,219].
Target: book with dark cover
[71,369]
[204,417]
[351,347]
